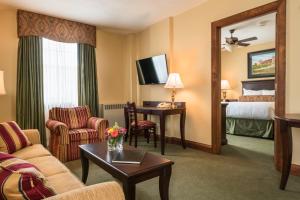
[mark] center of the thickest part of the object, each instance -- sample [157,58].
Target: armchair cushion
[77,135]
[144,124]
[74,118]
[12,138]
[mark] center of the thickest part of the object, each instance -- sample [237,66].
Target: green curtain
[30,93]
[87,78]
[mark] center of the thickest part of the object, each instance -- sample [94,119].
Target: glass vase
[114,144]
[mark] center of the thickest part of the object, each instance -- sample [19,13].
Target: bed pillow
[20,179]
[12,138]
[268,92]
[252,92]
[257,98]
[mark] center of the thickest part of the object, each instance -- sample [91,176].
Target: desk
[286,123]
[149,108]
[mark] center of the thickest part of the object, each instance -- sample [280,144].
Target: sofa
[63,182]
[71,127]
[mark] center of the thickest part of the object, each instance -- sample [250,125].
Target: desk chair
[137,127]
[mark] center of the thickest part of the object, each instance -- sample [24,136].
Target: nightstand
[231,100]
[223,123]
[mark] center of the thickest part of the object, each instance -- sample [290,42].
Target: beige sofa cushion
[64,182]
[101,191]
[36,150]
[48,165]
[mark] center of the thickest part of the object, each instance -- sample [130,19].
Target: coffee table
[129,174]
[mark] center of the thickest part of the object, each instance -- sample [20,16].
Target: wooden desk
[286,123]
[149,108]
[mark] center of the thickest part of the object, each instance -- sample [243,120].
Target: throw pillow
[20,179]
[12,138]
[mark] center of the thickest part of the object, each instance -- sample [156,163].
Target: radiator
[113,113]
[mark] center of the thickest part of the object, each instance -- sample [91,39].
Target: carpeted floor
[244,171]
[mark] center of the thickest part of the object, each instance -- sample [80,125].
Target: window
[60,74]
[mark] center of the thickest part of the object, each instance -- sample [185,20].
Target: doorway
[278,7]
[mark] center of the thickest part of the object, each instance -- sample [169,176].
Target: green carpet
[244,171]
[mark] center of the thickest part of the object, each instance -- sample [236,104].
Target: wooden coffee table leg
[164,180]
[85,166]
[129,190]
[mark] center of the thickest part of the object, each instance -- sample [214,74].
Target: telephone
[164,105]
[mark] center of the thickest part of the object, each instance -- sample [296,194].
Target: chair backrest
[131,113]
[74,118]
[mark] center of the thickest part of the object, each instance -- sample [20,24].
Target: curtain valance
[33,24]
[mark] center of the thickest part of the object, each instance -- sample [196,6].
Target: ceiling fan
[234,41]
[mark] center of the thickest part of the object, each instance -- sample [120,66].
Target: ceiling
[264,28]
[120,14]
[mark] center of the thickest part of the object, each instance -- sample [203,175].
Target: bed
[253,114]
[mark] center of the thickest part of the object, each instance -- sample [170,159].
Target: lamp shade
[2,88]
[174,81]
[225,85]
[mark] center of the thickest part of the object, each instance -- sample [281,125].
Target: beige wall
[191,53]
[113,72]
[235,66]
[154,40]
[8,63]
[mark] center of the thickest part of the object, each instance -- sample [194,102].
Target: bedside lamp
[2,88]
[174,82]
[224,87]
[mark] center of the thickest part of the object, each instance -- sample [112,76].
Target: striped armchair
[70,127]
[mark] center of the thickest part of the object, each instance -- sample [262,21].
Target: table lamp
[2,88]
[224,87]
[174,82]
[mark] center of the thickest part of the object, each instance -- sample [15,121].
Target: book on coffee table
[129,157]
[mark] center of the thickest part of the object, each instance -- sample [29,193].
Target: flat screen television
[153,70]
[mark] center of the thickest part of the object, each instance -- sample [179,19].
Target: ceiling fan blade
[248,39]
[228,40]
[243,44]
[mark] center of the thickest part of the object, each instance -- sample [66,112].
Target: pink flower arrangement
[114,136]
[115,131]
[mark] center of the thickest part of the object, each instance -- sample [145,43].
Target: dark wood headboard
[268,84]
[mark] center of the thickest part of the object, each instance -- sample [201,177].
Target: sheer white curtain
[60,74]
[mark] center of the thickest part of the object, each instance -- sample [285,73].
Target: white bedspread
[251,110]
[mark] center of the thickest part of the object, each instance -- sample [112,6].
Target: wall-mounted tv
[153,70]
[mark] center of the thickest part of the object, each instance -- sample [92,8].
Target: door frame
[278,7]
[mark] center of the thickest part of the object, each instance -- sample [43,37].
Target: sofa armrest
[56,126]
[98,124]
[107,191]
[33,136]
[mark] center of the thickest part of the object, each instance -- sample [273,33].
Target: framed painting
[261,64]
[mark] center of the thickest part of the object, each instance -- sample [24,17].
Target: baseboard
[295,170]
[190,144]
